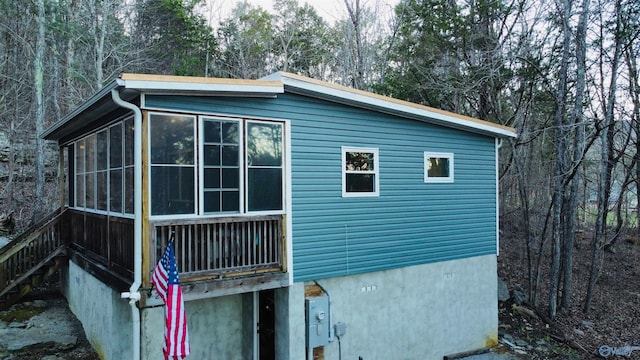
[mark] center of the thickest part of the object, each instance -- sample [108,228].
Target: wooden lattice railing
[220,247]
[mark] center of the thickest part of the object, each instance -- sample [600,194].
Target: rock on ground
[54,333]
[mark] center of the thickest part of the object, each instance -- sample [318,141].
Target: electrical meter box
[317,319]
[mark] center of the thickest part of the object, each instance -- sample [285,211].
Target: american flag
[167,283]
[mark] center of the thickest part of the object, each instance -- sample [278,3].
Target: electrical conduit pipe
[134,295]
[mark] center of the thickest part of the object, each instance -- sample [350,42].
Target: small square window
[360,172]
[438,167]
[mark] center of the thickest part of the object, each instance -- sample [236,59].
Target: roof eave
[337,93]
[135,84]
[105,91]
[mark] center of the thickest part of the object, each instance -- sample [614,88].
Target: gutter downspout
[134,295]
[498,145]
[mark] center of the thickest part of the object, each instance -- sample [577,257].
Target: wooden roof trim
[197,80]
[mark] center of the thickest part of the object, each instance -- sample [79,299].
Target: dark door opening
[266,326]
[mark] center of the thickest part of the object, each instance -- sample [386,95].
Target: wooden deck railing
[220,247]
[106,240]
[31,250]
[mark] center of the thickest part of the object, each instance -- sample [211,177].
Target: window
[360,172]
[210,165]
[173,169]
[221,165]
[103,176]
[264,166]
[438,167]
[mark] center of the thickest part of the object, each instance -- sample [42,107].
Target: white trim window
[438,167]
[173,163]
[264,159]
[221,154]
[208,165]
[360,172]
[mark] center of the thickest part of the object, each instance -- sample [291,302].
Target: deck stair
[32,257]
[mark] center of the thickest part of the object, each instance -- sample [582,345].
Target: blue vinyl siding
[410,223]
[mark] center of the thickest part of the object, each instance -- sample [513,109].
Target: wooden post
[3,277]
[61,178]
[146,228]
[283,243]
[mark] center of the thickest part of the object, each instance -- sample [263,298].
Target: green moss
[20,315]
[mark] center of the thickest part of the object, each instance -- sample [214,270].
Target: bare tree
[355,16]
[577,120]
[38,87]
[606,164]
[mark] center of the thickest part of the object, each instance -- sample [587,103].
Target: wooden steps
[31,258]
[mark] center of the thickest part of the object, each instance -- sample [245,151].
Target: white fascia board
[389,105]
[202,87]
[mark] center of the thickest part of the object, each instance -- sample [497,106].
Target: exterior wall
[420,312]
[428,249]
[410,223]
[215,329]
[106,317]
[289,324]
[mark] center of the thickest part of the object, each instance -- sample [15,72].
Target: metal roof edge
[166,83]
[313,87]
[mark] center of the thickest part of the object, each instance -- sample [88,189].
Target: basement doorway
[266,325]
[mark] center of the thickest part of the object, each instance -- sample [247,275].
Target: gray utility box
[317,320]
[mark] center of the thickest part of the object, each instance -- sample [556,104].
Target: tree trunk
[578,153]
[523,191]
[11,166]
[355,18]
[561,164]
[634,94]
[38,85]
[606,167]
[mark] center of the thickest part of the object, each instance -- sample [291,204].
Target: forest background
[564,73]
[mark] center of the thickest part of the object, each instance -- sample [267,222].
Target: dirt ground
[613,322]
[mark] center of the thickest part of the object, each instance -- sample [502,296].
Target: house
[309,219]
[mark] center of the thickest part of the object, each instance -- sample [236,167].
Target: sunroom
[139,174]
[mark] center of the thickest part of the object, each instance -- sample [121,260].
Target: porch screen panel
[103,167]
[264,166]
[129,152]
[172,140]
[80,171]
[90,171]
[115,168]
[102,148]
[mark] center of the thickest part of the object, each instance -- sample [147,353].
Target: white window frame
[201,166]
[199,178]
[194,166]
[245,166]
[438,179]
[375,172]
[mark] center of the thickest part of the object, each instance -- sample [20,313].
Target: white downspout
[134,295]
[498,144]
